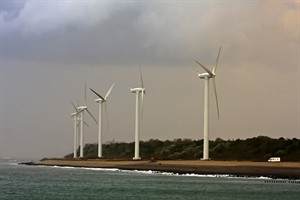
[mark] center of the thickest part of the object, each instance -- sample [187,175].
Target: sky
[49,48]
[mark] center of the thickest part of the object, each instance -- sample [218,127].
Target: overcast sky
[50,48]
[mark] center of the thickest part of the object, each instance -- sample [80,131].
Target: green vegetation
[253,149]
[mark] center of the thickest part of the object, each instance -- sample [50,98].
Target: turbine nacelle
[206,75]
[81,108]
[99,100]
[134,90]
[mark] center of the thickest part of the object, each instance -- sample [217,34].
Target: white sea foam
[85,168]
[14,162]
[150,172]
[103,169]
[64,167]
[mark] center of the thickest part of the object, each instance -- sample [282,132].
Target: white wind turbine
[101,101]
[81,110]
[77,120]
[138,92]
[206,76]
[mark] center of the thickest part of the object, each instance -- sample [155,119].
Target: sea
[42,182]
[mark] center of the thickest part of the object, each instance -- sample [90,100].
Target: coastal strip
[286,170]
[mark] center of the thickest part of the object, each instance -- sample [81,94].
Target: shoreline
[285,170]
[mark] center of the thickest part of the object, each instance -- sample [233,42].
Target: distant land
[258,149]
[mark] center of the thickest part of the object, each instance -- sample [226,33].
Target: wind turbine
[76,119]
[101,100]
[206,76]
[139,93]
[81,110]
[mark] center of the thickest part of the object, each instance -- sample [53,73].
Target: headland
[287,170]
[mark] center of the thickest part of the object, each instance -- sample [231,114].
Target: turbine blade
[215,89]
[85,123]
[142,82]
[207,70]
[97,94]
[92,116]
[74,106]
[215,67]
[107,94]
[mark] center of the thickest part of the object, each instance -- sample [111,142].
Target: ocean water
[40,182]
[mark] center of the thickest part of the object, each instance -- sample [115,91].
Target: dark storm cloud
[105,42]
[127,34]
[10,9]
[152,33]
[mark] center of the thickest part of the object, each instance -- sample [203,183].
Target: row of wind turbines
[79,122]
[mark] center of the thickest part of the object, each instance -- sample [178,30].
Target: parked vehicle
[274,159]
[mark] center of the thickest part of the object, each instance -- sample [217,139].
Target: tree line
[259,148]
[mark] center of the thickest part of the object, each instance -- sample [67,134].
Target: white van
[274,159]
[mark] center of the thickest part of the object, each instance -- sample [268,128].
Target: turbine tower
[206,76]
[101,102]
[139,94]
[81,110]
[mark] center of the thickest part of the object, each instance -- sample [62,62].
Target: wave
[200,175]
[9,162]
[85,168]
[150,172]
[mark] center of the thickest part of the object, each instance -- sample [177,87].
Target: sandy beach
[290,170]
